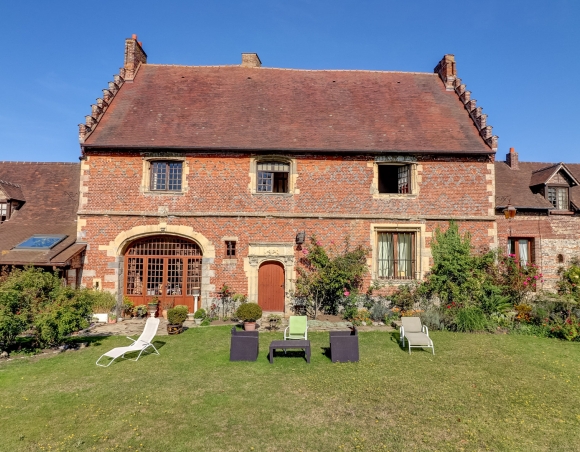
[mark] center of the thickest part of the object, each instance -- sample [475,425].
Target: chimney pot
[134,37]
[251,60]
[512,159]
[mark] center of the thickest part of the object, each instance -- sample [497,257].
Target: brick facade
[553,235]
[333,199]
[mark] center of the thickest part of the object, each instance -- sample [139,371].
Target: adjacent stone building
[197,176]
[546,228]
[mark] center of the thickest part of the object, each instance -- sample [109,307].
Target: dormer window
[558,196]
[3,212]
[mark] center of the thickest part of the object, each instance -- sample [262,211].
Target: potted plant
[152,306]
[112,318]
[199,315]
[141,311]
[249,313]
[166,307]
[175,317]
[128,308]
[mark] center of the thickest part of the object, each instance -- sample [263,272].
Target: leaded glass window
[166,176]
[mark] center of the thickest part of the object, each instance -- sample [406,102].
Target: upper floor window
[166,175]
[395,255]
[395,179]
[3,211]
[558,196]
[273,177]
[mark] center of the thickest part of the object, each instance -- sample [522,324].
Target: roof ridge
[546,167]
[37,163]
[448,74]
[291,69]
[9,183]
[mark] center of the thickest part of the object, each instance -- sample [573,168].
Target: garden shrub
[330,278]
[433,318]
[379,311]
[200,314]
[177,315]
[469,319]
[249,312]
[33,299]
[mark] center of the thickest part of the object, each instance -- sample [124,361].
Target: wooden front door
[167,268]
[271,286]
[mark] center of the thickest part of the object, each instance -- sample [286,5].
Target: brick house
[546,228]
[38,213]
[198,176]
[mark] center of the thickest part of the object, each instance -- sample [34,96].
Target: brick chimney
[512,159]
[134,57]
[251,60]
[447,71]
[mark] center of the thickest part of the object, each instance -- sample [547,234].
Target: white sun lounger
[417,335]
[139,345]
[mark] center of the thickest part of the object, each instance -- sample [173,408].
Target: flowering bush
[329,278]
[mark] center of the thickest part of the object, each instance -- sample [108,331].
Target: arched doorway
[165,267]
[271,288]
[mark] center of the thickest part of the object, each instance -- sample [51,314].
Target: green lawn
[479,392]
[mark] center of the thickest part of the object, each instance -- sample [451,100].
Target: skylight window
[40,242]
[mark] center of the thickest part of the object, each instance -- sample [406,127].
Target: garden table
[305,345]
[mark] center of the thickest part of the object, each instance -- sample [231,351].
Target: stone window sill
[561,212]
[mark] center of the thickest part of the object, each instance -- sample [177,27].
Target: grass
[479,392]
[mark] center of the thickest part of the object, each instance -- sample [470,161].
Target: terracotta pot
[112,320]
[250,326]
[164,314]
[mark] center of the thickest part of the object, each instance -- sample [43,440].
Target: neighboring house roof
[51,192]
[543,175]
[11,191]
[514,186]
[268,109]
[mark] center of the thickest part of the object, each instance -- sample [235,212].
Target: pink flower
[536,277]
[346,293]
[511,255]
[318,243]
[525,283]
[305,251]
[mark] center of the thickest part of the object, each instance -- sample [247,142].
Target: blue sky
[520,59]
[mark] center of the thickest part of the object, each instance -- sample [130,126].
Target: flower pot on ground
[249,313]
[199,315]
[112,318]
[175,318]
[128,308]
[152,307]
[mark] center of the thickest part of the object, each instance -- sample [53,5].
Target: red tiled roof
[514,185]
[231,107]
[12,191]
[51,192]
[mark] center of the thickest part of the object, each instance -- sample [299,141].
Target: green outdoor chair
[297,328]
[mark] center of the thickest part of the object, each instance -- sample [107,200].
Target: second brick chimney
[134,57]
[511,159]
[251,60]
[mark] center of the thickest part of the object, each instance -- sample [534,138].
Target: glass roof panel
[39,242]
